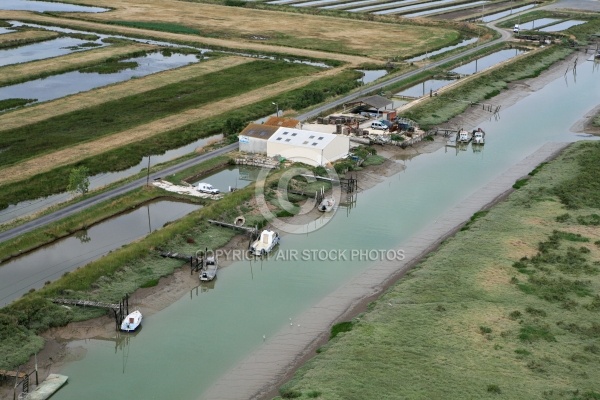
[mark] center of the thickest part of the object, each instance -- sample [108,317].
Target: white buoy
[264,337]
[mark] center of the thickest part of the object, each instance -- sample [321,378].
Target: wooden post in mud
[349,184]
[196,263]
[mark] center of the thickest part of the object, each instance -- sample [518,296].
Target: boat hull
[132,322]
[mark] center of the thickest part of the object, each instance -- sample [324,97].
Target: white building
[254,138]
[308,147]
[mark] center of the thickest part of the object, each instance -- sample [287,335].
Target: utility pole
[148,174]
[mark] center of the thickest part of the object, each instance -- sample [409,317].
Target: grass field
[302,31]
[508,308]
[115,116]
[441,108]
[52,177]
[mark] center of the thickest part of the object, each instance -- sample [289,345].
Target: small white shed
[308,147]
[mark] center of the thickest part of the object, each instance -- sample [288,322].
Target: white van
[379,125]
[207,188]
[516,28]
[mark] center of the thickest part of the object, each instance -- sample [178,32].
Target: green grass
[56,181]
[584,189]
[373,159]
[448,104]
[118,115]
[110,67]
[102,211]
[460,326]
[150,283]
[25,41]
[340,328]
[14,103]
[520,183]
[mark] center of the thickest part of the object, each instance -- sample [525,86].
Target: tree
[79,180]
[233,125]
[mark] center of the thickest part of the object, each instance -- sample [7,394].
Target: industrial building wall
[253,145]
[337,148]
[295,153]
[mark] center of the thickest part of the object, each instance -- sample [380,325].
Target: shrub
[520,183]
[514,315]
[536,312]
[522,352]
[563,217]
[339,328]
[150,283]
[290,393]
[494,389]
[532,333]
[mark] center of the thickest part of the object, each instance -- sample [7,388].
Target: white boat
[327,204]
[478,136]
[464,136]
[132,321]
[210,272]
[265,243]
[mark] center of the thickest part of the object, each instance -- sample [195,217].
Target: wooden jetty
[12,374]
[120,309]
[250,230]
[173,254]
[85,303]
[196,262]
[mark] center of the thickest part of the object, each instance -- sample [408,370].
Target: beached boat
[327,204]
[210,271]
[132,321]
[265,243]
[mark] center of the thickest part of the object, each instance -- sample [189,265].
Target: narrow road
[82,205]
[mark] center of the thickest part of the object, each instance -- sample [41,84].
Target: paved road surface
[80,206]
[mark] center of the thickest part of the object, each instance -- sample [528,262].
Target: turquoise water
[184,348]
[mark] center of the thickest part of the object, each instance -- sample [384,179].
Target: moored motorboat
[265,243]
[210,271]
[479,136]
[132,321]
[464,136]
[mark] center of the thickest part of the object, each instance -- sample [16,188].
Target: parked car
[516,28]
[207,188]
[380,125]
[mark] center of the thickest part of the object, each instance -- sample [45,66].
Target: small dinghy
[132,321]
